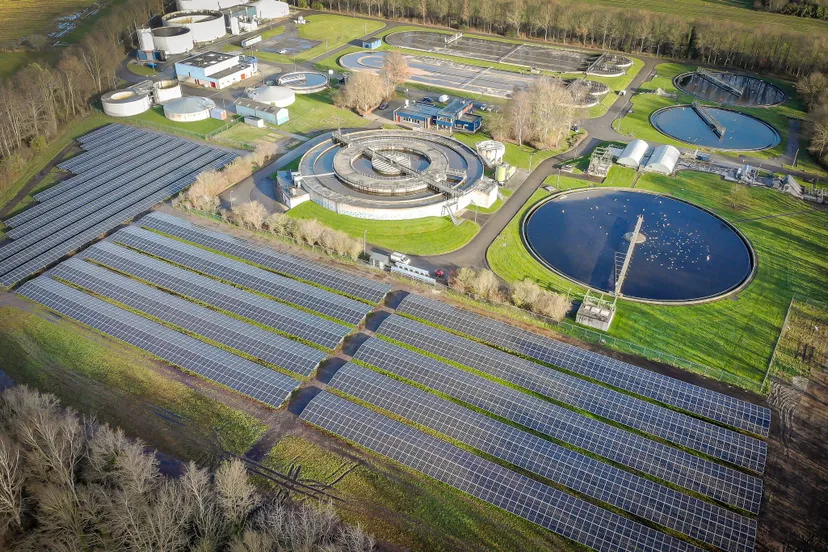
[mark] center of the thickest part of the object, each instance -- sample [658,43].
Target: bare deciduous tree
[395,68]
[363,92]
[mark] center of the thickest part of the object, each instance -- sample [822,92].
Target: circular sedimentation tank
[125,103]
[738,90]
[205,25]
[188,109]
[687,253]
[279,96]
[303,82]
[742,132]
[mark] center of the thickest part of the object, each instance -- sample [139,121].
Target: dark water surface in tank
[416,161]
[743,132]
[688,253]
[755,92]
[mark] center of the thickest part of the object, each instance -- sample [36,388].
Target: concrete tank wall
[206,25]
[125,103]
[167,90]
[207,4]
[173,40]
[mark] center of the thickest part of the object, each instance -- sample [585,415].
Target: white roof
[633,153]
[189,104]
[280,96]
[663,160]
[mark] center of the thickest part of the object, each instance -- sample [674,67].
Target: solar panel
[112,190]
[541,504]
[244,376]
[240,273]
[636,495]
[667,424]
[105,206]
[634,451]
[68,239]
[92,141]
[190,317]
[248,305]
[634,379]
[355,286]
[100,131]
[129,142]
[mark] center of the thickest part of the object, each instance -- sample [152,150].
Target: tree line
[727,43]
[814,91]
[39,101]
[70,483]
[813,9]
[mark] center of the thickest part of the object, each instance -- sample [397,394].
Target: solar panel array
[355,286]
[244,376]
[690,516]
[62,240]
[634,379]
[546,506]
[662,422]
[248,305]
[243,274]
[106,150]
[190,317]
[650,457]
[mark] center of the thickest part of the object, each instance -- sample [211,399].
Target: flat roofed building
[216,69]
[454,116]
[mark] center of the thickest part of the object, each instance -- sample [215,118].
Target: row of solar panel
[69,238]
[696,518]
[251,306]
[670,391]
[662,422]
[183,158]
[239,374]
[240,273]
[193,318]
[653,458]
[96,144]
[536,502]
[283,263]
[109,144]
[93,139]
[98,161]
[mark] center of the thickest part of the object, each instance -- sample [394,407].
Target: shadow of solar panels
[678,428]
[250,306]
[708,404]
[283,263]
[240,273]
[636,495]
[541,504]
[234,372]
[666,463]
[190,317]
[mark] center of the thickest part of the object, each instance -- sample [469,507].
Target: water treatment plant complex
[493,293]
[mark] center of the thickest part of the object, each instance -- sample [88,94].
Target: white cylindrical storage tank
[270,9]
[189,109]
[633,154]
[145,41]
[125,103]
[184,5]
[279,96]
[491,152]
[166,90]
[206,25]
[173,40]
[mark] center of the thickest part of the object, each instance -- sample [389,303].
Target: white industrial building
[267,113]
[205,25]
[189,109]
[633,154]
[278,96]
[216,69]
[270,9]
[663,160]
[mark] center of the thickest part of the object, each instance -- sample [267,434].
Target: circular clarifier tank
[687,254]
[741,132]
[730,89]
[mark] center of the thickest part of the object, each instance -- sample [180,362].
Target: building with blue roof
[455,116]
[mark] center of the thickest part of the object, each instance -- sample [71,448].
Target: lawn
[155,118]
[497,204]
[622,177]
[11,62]
[141,70]
[312,113]
[333,30]
[735,335]
[404,507]
[425,236]
[245,136]
[21,18]
[103,377]
[803,343]
[519,156]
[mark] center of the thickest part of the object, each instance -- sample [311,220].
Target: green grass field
[737,334]
[337,30]
[141,70]
[155,117]
[519,156]
[245,136]
[623,177]
[113,381]
[425,236]
[312,113]
[21,18]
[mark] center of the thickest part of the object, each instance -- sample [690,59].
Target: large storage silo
[189,109]
[125,103]
[173,40]
[206,25]
[145,40]
[166,90]
[270,9]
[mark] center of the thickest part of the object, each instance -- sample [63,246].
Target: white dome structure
[633,154]
[206,25]
[188,109]
[663,160]
[278,96]
[173,40]
[125,103]
[270,9]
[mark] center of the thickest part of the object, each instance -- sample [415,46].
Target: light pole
[531,156]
